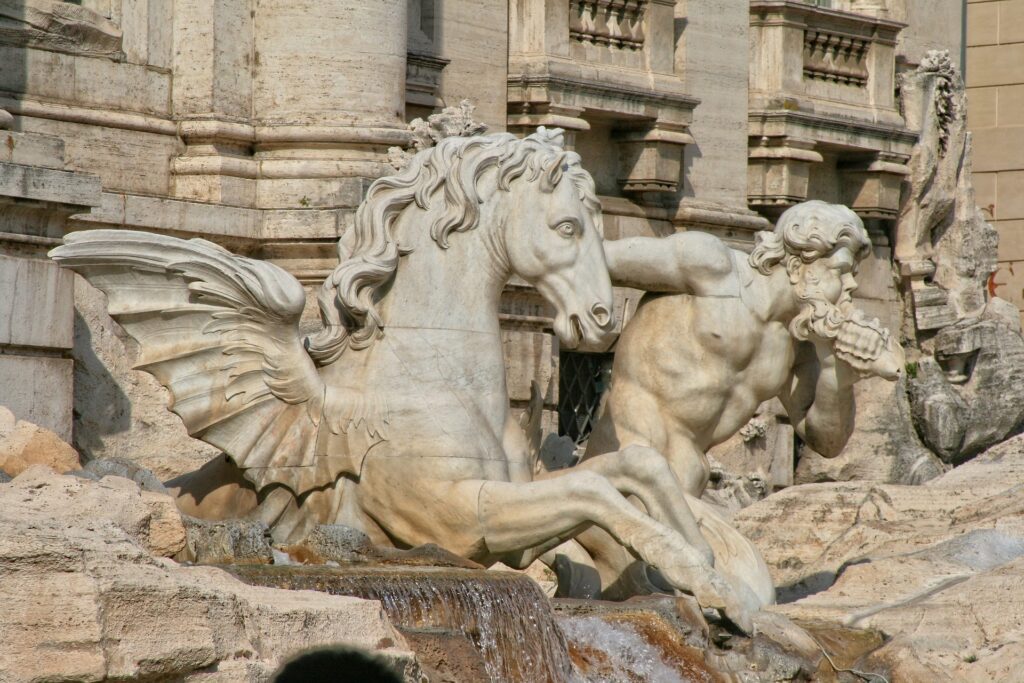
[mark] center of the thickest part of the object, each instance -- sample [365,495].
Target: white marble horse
[394,417]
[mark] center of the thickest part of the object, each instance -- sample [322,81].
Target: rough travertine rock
[884,448]
[85,600]
[23,444]
[936,568]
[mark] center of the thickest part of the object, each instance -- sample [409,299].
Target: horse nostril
[601,315]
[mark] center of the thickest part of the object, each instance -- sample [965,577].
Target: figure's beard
[818,316]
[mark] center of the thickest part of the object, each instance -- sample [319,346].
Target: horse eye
[566,229]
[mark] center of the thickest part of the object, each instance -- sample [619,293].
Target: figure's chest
[759,354]
[770,363]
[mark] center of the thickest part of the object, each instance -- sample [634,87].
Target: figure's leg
[642,472]
[689,463]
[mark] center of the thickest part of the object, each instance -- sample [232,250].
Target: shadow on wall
[100,406]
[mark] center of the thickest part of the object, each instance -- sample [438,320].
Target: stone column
[328,98]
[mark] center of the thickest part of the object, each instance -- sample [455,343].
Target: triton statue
[721,332]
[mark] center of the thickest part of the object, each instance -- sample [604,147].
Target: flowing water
[506,616]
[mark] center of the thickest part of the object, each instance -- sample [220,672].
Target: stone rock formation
[23,444]
[936,568]
[968,389]
[89,594]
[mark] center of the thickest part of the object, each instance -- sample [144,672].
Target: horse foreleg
[545,513]
[642,472]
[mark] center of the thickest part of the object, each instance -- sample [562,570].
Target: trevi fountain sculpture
[393,418]
[377,456]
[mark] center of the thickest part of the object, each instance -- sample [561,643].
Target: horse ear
[550,136]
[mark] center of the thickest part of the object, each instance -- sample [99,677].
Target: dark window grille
[582,381]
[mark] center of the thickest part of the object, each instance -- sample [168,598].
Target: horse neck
[453,289]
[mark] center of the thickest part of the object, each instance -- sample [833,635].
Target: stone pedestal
[37,306]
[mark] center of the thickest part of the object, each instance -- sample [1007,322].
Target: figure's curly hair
[451,169]
[809,231]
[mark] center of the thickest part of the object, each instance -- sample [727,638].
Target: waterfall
[506,616]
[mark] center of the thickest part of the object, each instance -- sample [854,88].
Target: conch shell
[867,347]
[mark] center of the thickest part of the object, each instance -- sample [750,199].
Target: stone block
[48,185]
[160,34]
[1010,189]
[126,160]
[982,107]
[288,193]
[38,307]
[32,149]
[1008,282]
[38,73]
[116,85]
[985,193]
[997,149]
[302,224]
[875,275]
[152,213]
[1011,240]
[1010,106]
[1011,23]
[38,389]
[995,65]
[530,356]
[983,24]
[135,29]
[475,39]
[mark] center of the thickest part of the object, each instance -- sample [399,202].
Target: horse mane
[455,165]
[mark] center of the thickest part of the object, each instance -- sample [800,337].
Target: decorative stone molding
[59,27]
[872,187]
[423,79]
[835,57]
[779,170]
[831,115]
[610,63]
[617,23]
[650,157]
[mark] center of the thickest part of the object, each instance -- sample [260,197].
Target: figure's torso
[696,366]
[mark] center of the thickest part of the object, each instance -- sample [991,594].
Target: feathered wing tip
[221,333]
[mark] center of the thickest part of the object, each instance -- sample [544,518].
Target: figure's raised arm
[819,398]
[685,262]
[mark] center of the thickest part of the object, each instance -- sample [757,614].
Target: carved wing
[221,333]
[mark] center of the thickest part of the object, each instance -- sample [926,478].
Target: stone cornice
[801,15]
[602,89]
[758,119]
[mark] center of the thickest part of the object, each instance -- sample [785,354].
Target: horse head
[553,235]
[543,223]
